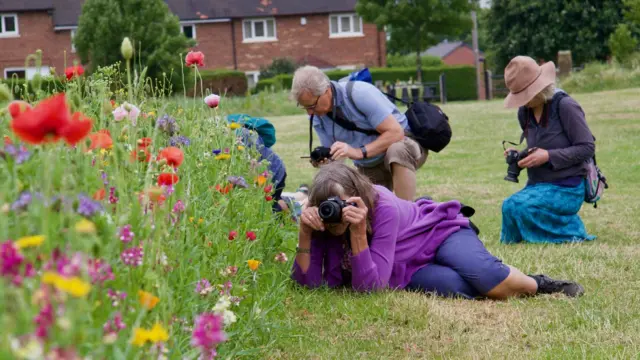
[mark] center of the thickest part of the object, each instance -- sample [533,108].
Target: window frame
[346,34]
[5,34]
[193,29]
[72,33]
[265,38]
[14,69]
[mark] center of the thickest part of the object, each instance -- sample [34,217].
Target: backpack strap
[310,133]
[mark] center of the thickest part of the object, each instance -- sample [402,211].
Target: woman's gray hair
[548,92]
[309,78]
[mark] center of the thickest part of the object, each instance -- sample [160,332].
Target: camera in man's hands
[321,153]
[513,170]
[330,210]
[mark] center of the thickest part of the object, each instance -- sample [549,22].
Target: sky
[485,3]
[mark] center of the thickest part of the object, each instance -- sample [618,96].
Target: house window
[73,45]
[259,30]
[19,73]
[345,25]
[8,25]
[189,31]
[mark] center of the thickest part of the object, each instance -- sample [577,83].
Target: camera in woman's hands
[513,170]
[330,210]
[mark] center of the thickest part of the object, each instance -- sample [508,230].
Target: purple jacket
[405,238]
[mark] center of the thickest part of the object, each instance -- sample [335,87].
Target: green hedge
[460,80]
[229,82]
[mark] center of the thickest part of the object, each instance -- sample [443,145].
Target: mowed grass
[605,323]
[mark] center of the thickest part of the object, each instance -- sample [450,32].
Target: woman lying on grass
[387,242]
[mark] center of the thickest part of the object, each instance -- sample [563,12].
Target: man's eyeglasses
[312,107]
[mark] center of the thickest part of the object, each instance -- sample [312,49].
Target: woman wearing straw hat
[558,144]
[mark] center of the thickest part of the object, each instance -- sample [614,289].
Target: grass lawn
[605,323]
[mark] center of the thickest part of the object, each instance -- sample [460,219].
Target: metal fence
[426,91]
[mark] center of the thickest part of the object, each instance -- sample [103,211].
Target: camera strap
[512,143]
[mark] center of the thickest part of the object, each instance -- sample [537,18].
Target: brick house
[454,53]
[233,34]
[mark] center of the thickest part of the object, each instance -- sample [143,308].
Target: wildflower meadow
[133,226]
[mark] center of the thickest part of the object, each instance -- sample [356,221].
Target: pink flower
[126,110]
[114,325]
[116,296]
[232,235]
[178,207]
[251,236]
[99,271]
[281,258]
[112,196]
[64,266]
[230,271]
[195,58]
[44,320]
[203,287]
[212,100]
[126,235]
[133,256]
[208,332]
[10,260]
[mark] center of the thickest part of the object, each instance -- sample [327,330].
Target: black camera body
[320,153]
[330,210]
[513,170]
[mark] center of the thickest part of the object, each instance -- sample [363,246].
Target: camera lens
[330,211]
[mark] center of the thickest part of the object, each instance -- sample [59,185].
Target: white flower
[228,317]
[222,304]
[126,110]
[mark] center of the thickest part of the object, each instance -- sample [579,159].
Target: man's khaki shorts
[407,153]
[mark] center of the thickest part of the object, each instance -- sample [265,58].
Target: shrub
[600,77]
[622,43]
[397,60]
[277,67]
[460,80]
[229,82]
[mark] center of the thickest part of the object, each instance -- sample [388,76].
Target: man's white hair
[309,78]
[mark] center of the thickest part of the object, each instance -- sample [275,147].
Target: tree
[153,29]
[417,24]
[541,28]
[622,44]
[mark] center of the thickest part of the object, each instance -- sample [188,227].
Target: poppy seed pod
[5,93]
[126,49]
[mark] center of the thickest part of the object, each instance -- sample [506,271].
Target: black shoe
[547,285]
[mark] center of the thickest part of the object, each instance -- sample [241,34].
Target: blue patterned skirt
[544,213]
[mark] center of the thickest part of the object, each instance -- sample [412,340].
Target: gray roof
[443,49]
[25,5]
[66,12]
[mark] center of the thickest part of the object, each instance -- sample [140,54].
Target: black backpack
[428,123]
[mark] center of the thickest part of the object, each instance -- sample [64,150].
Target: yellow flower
[155,335]
[140,336]
[234,125]
[74,285]
[191,219]
[223,157]
[158,334]
[151,113]
[253,264]
[240,147]
[148,300]
[29,241]
[85,226]
[200,221]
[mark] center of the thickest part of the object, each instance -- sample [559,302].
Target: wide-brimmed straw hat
[525,79]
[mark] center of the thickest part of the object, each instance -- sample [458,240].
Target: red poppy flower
[167,179]
[99,195]
[144,142]
[17,107]
[232,235]
[268,197]
[154,194]
[267,189]
[105,131]
[100,140]
[251,235]
[195,58]
[73,71]
[141,155]
[49,121]
[7,140]
[172,155]
[224,190]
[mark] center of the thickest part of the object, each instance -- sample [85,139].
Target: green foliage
[223,82]
[540,28]
[277,67]
[416,24]
[398,60]
[622,43]
[23,89]
[601,76]
[460,80]
[154,31]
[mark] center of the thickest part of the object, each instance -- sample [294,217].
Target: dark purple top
[564,133]
[405,237]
